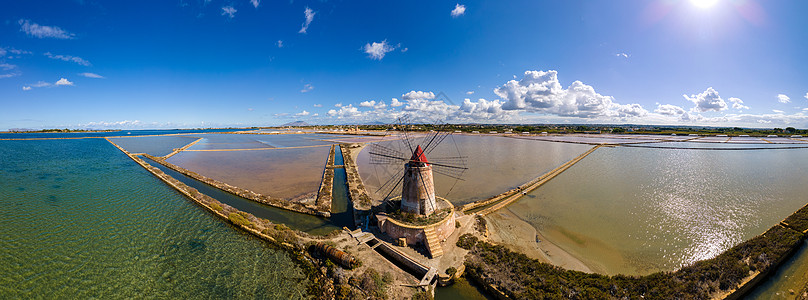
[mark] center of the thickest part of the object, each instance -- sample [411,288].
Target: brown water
[282,173]
[636,211]
[495,165]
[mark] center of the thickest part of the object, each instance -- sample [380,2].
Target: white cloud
[91,75]
[254,3]
[121,124]
[777,111]
[309,17]
[307,88]
[783,98]
[7,67]
[279,43]
[737,103]
[541,92]
[709,100]
[411,95]
[69,58]
[373,103]
[378,50]
[302,114]
[764,121]
[669,110]
[469,92]
[395,103]
[348,111]
[459,10]
[41,31]
[39,84]
[18,52]
[9,75]
[623,55]
[338,104]
[318,105]
[63,81]
[806,95]
[229,11]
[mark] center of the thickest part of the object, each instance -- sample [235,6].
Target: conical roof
[418,155]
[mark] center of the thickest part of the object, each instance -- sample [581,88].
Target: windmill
[410,150]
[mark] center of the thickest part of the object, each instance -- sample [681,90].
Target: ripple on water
[118,232]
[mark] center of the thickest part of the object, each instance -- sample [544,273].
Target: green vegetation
[416,219]
[238,219]
[521,277]
[372,283]
[457,224]
[480,224]
[451,271]
[216,207]
[799,220]
[422,295]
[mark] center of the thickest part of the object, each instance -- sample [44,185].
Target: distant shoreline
[60,131]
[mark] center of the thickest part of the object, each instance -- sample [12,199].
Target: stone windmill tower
[418,191]
[434,215]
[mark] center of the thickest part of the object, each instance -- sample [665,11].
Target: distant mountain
[296,124]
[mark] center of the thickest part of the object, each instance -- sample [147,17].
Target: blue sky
[157,64]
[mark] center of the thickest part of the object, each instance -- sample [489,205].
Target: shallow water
[82,220]
[341,208]
[281,173]
[254,141]
[495,165]
[121,133]
[636,211]
[299,221]
[792,276]
[461,289]
[154,145]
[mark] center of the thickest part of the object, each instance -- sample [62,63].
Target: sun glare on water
[704,3]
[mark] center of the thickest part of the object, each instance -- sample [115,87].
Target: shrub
[457,224]
[216,207]
[238,219]
[451,271]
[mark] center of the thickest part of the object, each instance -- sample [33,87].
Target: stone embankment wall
[325,193]
[244,193]
[181,149]
[415,233]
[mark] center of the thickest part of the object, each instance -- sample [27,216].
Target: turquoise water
[81,220]
[341,209]
[40,135]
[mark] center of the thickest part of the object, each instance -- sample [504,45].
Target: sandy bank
[508,229]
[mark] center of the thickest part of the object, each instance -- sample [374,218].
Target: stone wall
[414,233]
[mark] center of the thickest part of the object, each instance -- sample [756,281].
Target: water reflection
[636,211]
[496,164]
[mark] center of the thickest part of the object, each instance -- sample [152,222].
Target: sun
[704,3]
